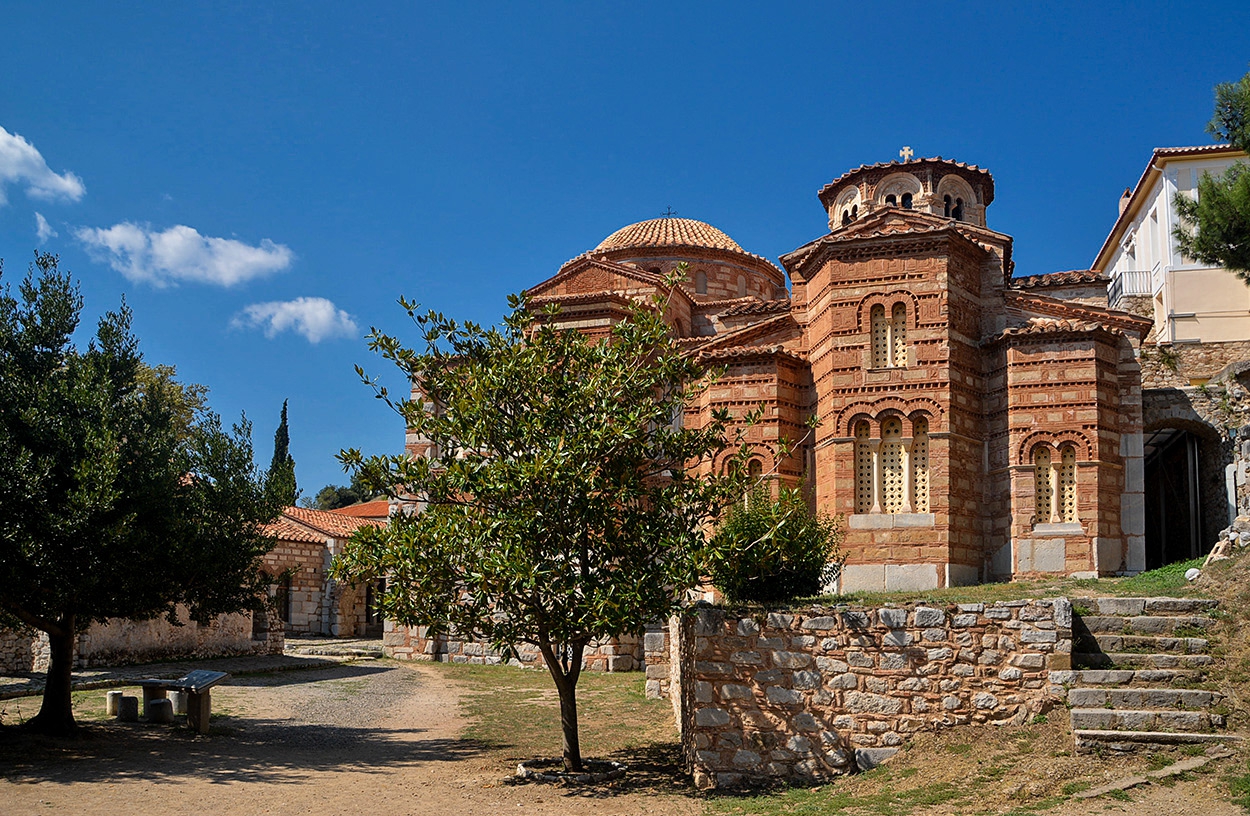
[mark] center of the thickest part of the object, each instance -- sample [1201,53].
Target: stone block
[860,660]
[844,681]
[927,616]
[783,696]
[868,758]
[950,702]
[747,627]
[910,577]
[892,661]
[735,691]
[964,621]
[791,660]
[711,717]
[654,642]
[831,665]
[805,680]
[864,703]
[746,658]
[746,759]
[892,618]
[935,635]
[1031,635]
[1010,673]
[896,638]
[862,577]
[804,721]
[1028,661]
[822,623]
[855,619]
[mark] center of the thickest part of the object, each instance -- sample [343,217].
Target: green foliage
[773,550]
[280,480]
[1215,228]
[111,503]
[332,497]
[562,503]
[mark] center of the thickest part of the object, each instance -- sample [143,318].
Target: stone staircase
[1139,674]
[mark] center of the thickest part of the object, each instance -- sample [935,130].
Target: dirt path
[364,737]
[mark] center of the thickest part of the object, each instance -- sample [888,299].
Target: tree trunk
[56,715]
[565,677]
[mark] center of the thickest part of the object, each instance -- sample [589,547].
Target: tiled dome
[669,232]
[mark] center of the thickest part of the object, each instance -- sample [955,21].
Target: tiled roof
[669,232]
[911,162]
[330,523]
[1072,278]
[378,508]
[748,351]
[286,530]
[1048,325]
[757,307]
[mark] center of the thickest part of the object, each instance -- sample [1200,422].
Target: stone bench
[196,685]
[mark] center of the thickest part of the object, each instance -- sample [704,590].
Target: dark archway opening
[1184,503]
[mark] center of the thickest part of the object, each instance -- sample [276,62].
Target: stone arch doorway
[1184,504]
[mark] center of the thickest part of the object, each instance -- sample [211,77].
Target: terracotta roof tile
[758,307]
[378,508]
[669,232]
[1072,278]
[332,524]
[286,530]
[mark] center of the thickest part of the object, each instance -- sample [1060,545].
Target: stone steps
[1130,678]
[1135,662]
[1145,624]
[1142,698]
[1145,644]
[1127,719]
[1091,739]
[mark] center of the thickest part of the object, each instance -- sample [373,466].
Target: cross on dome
[669,213]
[907,152]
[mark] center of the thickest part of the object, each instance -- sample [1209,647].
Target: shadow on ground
[238,750]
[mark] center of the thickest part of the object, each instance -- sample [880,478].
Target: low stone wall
[120,641]
[415,643]
[808,695]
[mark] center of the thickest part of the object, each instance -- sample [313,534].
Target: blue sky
[261,184]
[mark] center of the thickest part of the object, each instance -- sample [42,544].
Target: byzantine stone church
[973,426]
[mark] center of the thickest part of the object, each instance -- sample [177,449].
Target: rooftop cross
[669,213]
[907,153]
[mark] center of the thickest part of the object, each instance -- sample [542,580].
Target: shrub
[769,550]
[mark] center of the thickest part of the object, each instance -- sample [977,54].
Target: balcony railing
[1127,283]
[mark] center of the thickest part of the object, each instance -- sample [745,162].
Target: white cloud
[43,229]
[180,254]
[21,164]
[314,317]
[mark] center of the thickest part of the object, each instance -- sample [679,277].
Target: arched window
[846,217]
[1067,483]
[755,469]
[891,201]
[700,282]
[898,331]
[958,211]
[920,465]
[893,477]
[742,286]
[880,337]
[907,201]
[863,467]
[1043,495]
[854,211]
[655,270]
[946,206]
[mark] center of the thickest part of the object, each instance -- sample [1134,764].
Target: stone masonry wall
[120,641]
[415,643]
[805,696]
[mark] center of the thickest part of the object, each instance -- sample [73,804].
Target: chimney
[1124,199]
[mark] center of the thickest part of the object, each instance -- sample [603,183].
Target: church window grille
[742,286]
[898,330]
[957,212]
[907,201]
[1043,493]
[863,468]
[700,282]
[919,461]
[893,483]
[880,337]
[1067,483]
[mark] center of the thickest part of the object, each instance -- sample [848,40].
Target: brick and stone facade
[973,426]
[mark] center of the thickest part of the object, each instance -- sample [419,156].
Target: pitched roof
[327,522]
[286,530]
[1043,307]
[370,509]
[1075,277]
[1129,211]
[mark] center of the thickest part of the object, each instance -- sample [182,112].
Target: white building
[1192,302]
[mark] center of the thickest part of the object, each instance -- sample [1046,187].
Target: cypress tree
[280,481]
